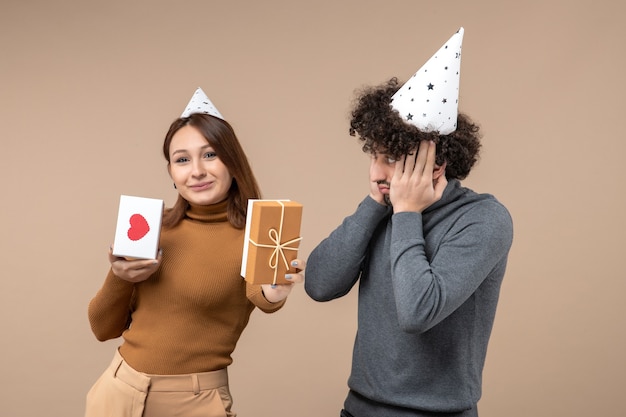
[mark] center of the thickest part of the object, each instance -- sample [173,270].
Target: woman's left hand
[278,292]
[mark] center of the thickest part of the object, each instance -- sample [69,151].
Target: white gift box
[138,227]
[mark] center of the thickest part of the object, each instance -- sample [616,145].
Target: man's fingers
[430,157]
[422,157]
[409,162]
[399,167]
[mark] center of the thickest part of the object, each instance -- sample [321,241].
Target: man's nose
[377,170]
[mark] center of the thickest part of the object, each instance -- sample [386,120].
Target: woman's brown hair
[221,136]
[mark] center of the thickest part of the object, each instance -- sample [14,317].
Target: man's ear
[439,170]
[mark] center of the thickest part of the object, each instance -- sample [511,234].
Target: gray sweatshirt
[428,290]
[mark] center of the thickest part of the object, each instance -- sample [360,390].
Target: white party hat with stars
[200,103]
[430,98]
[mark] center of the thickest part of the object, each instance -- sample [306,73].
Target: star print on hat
[200,103]
[430,98]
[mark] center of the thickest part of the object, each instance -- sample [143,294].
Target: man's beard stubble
[386,198]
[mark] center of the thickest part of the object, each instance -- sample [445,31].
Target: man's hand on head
[417,183]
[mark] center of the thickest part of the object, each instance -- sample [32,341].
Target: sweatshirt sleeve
[256,297]
[335,264]
[109,311]
[474,249]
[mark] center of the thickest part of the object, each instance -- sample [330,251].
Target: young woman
[180,316]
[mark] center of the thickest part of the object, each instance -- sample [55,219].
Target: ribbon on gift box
[279,248]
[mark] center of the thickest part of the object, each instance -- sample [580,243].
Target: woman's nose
[198,169]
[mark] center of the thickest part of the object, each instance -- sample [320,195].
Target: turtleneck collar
[452,192]
[213,213]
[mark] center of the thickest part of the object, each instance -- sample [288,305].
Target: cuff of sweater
[407,226]
[113,282]
[370,208]
[259,300]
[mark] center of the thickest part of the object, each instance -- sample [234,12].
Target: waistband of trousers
[180,383]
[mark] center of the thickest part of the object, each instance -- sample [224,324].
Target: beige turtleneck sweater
[188,316]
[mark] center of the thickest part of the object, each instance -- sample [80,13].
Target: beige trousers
[123,392]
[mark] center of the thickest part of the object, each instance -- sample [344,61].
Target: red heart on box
[138,227]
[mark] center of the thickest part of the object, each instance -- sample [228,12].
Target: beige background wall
[88,89]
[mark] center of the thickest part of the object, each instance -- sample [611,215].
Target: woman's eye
[210,155]
[391,160]
[181,160]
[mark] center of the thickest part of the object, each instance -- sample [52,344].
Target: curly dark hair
[382,129]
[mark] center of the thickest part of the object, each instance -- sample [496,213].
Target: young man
[429,254]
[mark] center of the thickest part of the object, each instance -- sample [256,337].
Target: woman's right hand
[136,270]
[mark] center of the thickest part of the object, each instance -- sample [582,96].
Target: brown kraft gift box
[272,238]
